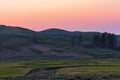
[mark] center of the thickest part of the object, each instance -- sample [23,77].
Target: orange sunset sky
[82,15]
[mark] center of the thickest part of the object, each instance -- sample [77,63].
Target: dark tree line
[106,40]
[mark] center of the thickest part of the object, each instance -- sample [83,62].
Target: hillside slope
[16,42]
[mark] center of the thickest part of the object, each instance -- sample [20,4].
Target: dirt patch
[40,72]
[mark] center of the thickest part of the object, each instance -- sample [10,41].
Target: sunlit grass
[115,70]
[10,71]
[87,66]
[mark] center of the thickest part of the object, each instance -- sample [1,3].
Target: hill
[60,37]
[21,43]
[54,31]
[13,30]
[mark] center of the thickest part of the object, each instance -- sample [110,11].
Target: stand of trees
[106,40]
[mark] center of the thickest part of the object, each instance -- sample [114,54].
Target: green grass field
[88,66]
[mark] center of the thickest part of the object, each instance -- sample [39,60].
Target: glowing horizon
[78,15]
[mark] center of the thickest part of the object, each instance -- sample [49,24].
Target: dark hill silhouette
[9,30]
[17,42]
[55,31]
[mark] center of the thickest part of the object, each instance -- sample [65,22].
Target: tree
[115,41]
[80,39]
[112,41]
[104,38]
[97,40]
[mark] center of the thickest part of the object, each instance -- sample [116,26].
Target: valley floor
[108,67]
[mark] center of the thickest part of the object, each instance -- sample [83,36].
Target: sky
[73,15]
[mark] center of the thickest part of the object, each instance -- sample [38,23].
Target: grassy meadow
[87,66]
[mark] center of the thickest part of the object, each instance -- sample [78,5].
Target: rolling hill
[21,43]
